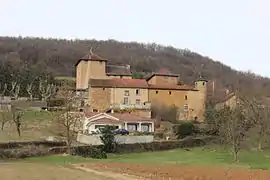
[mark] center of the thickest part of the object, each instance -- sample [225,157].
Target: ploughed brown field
[180,172]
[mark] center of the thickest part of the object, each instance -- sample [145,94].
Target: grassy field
[196,156]
[35,126]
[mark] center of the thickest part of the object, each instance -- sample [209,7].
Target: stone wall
[100,98]
[95,139]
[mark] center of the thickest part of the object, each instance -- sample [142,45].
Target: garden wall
[20,144]
[95,139]
[33,150]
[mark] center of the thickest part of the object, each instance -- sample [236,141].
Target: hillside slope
[59,57]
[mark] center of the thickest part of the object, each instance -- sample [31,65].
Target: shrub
[89,152]
[56,102]
[21,144]
[159,135]
[30,151]
[107,138]
[137,133]
[184,129]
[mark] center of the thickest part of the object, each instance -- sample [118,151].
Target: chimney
[227,91]
[112,111]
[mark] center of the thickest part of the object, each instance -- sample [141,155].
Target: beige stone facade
[112,86]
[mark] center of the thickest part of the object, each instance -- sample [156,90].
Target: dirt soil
[37,171]
[180,172]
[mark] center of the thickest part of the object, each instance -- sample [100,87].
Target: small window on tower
[203,83]
[170,92]
[185,97]
[137,92]
[156,92]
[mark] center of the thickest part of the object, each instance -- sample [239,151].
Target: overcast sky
[235,32]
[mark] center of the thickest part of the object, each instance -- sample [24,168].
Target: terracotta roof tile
[107,121]
[126,117]
[125,83]
[90,57]
[171,87]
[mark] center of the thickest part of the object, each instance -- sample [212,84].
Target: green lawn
[196,156]
[35,126]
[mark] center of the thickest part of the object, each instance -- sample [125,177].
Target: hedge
[96,151]
[20,144]
[144,147]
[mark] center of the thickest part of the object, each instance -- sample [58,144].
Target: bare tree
[17,118]
[5,117]
[259,114]
[2,93]
[29,89]
[46,90]
[15,89]
[69,122]
[234,127]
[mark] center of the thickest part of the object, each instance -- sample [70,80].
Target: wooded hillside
[59,56]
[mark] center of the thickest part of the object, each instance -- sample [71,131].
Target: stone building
[106,87]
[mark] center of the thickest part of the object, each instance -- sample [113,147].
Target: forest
[25,59]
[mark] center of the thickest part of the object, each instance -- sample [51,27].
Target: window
[95,110]
[132,127]
[203,83]
[170,92]
[156,92]
[186,107]
[121,77]
[185,97]
[137,92]
[138,101]
[145,128]
[125,100]
[126,93]
[103,89]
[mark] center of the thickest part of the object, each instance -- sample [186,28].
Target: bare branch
[15,89]
[29,89]
[2,93]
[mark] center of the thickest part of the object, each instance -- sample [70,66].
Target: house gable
[97,117]
[101,116]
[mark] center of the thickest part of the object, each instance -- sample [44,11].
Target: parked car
[96,131]
[121,131]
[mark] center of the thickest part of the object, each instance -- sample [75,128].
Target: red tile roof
[90,57]
[107,121]
[171,87]
[124,83]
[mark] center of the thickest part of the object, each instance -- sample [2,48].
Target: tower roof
[201,79]
[90,57]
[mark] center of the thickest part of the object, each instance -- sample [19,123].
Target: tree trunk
[68,142]
[19,131]
[2,125]
[235,152]
[259,146]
